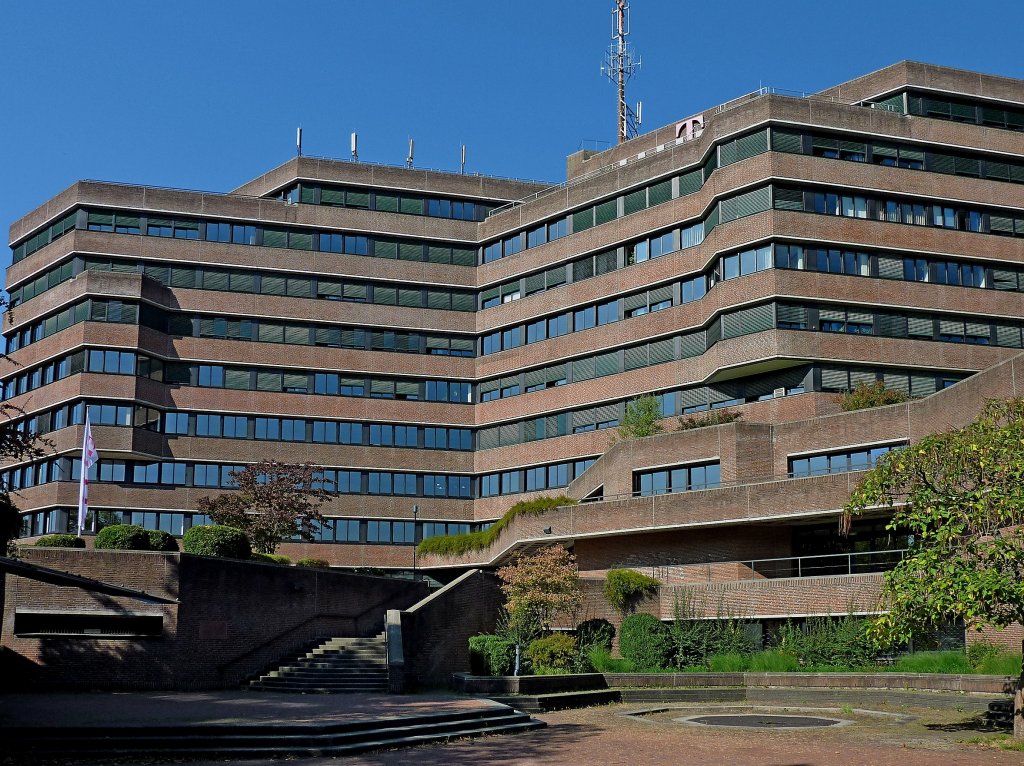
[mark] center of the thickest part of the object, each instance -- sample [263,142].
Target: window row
[656,193]
[218,475]
[1006,223]
[333,195]
[680,478]
[533,479]
[87,310]
[332,530]
[247,427]
[260,235]
[893,154]
[861,459]
[956,109]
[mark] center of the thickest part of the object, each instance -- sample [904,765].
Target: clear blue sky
[207,95]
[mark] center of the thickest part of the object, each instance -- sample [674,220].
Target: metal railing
[822,565]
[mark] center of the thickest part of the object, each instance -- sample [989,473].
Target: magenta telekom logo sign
[688,128]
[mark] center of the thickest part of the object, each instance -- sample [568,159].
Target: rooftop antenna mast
[619,66]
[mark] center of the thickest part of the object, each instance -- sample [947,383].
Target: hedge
[556,652]
[456,545]
[161,541]
[217,540]
[645,641]
[313,563]
[272,558]
[122,537]
[491,655]
[60,541]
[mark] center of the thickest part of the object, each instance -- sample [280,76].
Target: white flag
[89,458]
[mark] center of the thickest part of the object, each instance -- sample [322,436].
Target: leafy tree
[960,494]
[864,396]
[536,588]
[641,418]
[273,502]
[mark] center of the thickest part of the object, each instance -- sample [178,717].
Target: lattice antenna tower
[619,66]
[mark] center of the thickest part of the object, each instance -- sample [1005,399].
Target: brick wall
[232,619]
[435,632]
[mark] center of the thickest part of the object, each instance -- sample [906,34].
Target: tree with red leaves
[273,502]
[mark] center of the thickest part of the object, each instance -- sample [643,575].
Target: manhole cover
[762,721]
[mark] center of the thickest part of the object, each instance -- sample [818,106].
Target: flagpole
[89,457]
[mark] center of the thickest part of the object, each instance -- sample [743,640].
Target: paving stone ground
[596,736]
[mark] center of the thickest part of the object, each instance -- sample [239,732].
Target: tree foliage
[273,502]
[960,494]
[538,587]
[641,418]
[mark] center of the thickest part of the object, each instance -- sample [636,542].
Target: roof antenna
[298,142]
[619,66]
[408,160]
[462,163]
[355,147]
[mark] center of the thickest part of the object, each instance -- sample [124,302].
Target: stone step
[545,703]
[269,739]
[336,666]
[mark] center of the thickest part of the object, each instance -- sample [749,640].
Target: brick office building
[458,343]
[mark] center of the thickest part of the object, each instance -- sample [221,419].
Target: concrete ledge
[529,685]
[919,681]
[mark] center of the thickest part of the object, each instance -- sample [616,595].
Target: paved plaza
[895,735]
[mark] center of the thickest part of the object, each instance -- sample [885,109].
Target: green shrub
[696,641]
[865,396]
[217,540]
[161,541]
[645,641]
[713,418]
[602,661]
[272,558]
[1000,664]
[457,545]
[60,541]
[828,642]
[728,663]
[933,662]
[625,588]
[596,632]
[313,563]
[773,661]
[552,653]
[491,655]
[122,537]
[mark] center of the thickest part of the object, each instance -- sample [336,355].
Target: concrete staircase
[337,666]
[264,740]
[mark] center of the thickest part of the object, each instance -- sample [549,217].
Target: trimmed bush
[645,641]
[491,655]
[313,563]
[60,541]
[456,545]
[217,540]
[122,537]
[596,632]
[552,654]
[161,541]
[625,588]
[272,558]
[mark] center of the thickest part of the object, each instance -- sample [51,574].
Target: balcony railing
[824,565]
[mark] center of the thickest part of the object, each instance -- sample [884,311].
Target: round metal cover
[763,721]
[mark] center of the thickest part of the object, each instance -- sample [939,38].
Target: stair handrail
[278,636]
